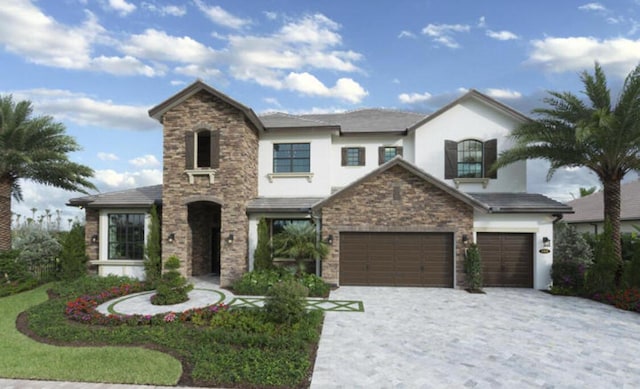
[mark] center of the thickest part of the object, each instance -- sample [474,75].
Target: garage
[396,259]
[507,259]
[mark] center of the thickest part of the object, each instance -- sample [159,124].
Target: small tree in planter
[473,268]
[298,241]
[172,288]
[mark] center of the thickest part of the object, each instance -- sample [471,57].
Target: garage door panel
[401,259]
[507,259]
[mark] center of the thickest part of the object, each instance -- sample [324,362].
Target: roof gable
[159,110]
[481,97]
[399,161]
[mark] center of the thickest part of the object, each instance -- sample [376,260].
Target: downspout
[558,217]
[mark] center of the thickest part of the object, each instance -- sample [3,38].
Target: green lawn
[22,357]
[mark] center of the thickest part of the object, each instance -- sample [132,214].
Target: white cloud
[618,55]
[592,7]
[443,33]
[177,82]
[502,35]
[172,10]
[122,7]
[107,156]
[197,71]
[482,22]
[406,34]
[148,160]
[84,110]
[272,101]
[219,16]
[125,66]
[412,98]
[502,93]
[344,89]
[271,15]
[111,180]
[159,46]
[42,197]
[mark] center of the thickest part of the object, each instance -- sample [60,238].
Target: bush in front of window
[172,288]
[262,259]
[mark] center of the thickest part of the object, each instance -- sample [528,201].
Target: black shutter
[215,149]
[188,150]
[361,156]
[490,155]
[344,156]
[399,151]
[450,159]
[380,155]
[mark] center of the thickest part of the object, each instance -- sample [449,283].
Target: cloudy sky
[99,65]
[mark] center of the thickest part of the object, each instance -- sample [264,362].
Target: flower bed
[627,299]
[83,309]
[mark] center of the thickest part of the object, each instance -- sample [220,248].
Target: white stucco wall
[470,119]
[320,162]
[539,225]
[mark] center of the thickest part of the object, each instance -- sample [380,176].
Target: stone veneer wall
[91,228]
[370,206]
[236,181]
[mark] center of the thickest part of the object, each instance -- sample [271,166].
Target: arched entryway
[204,225]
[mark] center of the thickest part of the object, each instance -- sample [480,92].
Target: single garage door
[507,259]
[396,259]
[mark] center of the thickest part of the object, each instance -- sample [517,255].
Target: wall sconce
[546,242]
[94,239]
[465,240]
[330,240]
[229,239]
[171,238]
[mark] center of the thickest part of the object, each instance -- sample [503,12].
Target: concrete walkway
[446,338]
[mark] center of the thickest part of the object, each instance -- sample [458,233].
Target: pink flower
[169,317]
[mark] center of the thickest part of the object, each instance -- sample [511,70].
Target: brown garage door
[507,259]
[396,259]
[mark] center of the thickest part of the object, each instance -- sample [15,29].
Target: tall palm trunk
[612,213]
[5,212]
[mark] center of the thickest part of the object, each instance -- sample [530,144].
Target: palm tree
[602,137]
[33,148]
[298,241]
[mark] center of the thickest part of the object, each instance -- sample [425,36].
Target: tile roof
[137,197]
[520,203]
[282,204]
[358,121]
[591,208]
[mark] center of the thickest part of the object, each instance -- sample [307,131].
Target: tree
[33,148]
[153,250]
[602,137]
[584,192]
[298,241]
[262,254]
[73,257]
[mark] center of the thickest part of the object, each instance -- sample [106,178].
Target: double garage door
[396,259]
[426,259]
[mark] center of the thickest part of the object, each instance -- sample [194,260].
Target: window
[126,236]
[291,158]
[277,225]
[353,156]
[470,158]
[386,153]
[202,149]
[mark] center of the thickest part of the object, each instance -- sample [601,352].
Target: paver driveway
[446,338]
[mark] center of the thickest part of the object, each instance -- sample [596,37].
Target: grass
[239,348]
[22,357]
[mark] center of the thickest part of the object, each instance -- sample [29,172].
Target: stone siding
[91,228]
[399,201]
[236,181]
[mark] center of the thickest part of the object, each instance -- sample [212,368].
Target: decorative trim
[308,176]
[201,172]
[118,262]
[471,180]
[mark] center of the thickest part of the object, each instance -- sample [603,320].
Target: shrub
[172,288]
[73,257]
[316,285]
[568,277]
[153,251]
[601,276]
[627,299]
[14,274]
[570,246]
[473,268]
[259,282]
[39,250]
[262,255]
[631,269]
[285,302]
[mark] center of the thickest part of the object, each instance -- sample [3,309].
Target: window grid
[470,159]
[126,236]
[353,156]
[291,158]
[389,153]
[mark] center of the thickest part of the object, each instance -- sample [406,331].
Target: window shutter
[344,156]
[490,155]
[361,156]
[450,159]
[380,155]
[215,149]
[399,150]
[188,149]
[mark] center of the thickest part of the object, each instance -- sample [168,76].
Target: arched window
[470,159]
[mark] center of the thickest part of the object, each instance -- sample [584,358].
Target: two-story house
[397,195]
